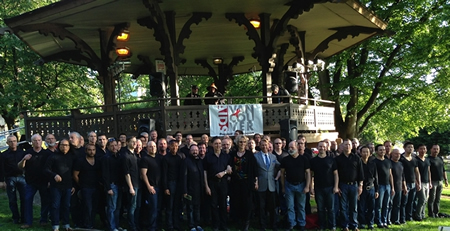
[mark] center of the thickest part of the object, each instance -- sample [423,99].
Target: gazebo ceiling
[214,37]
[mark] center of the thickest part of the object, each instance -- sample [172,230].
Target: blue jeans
[382,203]
[89,201]
[152,200]
[30,191]
[113,204]
[348,205]
[131,210]
[396,201]
[325,207]
[60,206]
[14,185]
[406,209]
[294,194]
[366,206]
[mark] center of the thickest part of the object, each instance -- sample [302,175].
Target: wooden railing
[187,119]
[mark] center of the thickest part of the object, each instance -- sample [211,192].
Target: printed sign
[226,119]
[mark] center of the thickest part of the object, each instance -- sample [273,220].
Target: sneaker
[199,228]
[193,229]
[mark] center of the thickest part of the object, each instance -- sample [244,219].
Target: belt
[350,183]
[295,183]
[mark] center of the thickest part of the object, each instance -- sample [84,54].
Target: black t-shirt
[89,175]
[398,175]
[295,168]
[409,169]
[9,161]
[383,170]
[153,166]
[323,171]
[437,168]
[423,169]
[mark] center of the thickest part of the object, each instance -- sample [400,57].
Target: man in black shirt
[412,178]
[171,184]
[399,186]
[50,142]
[101,146]
[14,179]
[131,174]
[195,98]
[193,185]
[34,164]
[385,186]
[113,181]
[366,203]
[150,166]
[58,169]
[351,176]
[295,183]
[86,172]
[438,176]
[325,185]
[423,163]
[215,165]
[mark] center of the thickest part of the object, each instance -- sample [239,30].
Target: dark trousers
[60,207]
[396,201]
[173,206]
[14,186]
[218,203]
[30,191]
[89,199]
[241,195]
[267,204]
[406,209]
[366,207]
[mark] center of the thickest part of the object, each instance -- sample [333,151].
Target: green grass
[428,224]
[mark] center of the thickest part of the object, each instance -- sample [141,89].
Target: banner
[226,119]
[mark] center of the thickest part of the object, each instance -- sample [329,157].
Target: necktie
[267,161]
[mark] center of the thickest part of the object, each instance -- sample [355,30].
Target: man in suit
[266,164]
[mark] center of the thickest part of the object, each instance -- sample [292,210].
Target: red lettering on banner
[223,118]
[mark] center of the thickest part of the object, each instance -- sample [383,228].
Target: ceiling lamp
[123,52]
[255,23]
[217,61]
[124,36]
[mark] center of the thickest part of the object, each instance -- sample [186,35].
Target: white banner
[226,119]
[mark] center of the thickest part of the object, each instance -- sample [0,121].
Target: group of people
[154,181]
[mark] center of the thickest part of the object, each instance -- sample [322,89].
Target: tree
[392,84]
[28,85]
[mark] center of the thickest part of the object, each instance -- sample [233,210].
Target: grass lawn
[427,224]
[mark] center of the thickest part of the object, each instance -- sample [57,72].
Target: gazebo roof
[215,37]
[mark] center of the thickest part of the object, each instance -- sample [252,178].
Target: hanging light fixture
[256,23]
[123,36]
[217,61]
[123,52]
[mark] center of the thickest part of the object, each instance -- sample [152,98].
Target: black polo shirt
[130,166]
[349,168]
[370,174]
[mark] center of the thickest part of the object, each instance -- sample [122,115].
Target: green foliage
[429,138]
[24,85]
[390,87]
